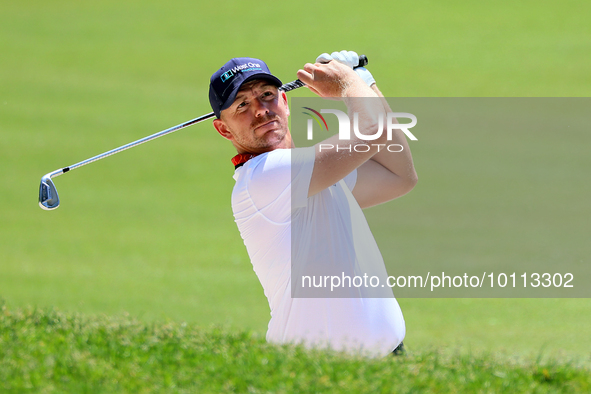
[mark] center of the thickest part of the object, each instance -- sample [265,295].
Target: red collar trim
[242,158]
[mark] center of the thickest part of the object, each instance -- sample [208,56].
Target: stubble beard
[270,140]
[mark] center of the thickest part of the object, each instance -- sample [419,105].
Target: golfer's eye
[242,105]
[268,94]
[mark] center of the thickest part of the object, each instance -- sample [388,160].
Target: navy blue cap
[225,83]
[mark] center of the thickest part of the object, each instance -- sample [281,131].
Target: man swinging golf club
[305,204]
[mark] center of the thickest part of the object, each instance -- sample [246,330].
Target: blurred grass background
[150,231]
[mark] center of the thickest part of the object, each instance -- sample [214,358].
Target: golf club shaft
[286,88]
[131,145]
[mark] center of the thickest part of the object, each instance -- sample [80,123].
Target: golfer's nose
[260,107]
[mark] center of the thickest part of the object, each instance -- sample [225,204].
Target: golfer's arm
[333,164]
[387,175]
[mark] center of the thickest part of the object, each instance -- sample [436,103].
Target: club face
[48,198]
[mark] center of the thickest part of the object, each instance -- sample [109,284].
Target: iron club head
[48,198]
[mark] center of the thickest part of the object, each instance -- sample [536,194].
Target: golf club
[48,197]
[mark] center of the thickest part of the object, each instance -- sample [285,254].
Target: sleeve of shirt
[351,179]
[279,179]
[302,165]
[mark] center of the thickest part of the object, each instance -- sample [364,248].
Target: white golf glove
[350,59]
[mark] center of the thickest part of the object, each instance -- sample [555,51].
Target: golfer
[299,209]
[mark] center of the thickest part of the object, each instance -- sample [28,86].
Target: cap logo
[227,75]
[246,67]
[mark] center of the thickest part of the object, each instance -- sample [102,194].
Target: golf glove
[350,59]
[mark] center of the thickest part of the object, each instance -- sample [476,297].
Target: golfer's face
[257,120]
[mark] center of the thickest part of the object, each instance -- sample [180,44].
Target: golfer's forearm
[361,101]
[399,163]
[336,157]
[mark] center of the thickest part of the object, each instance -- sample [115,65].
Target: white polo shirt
[322,235]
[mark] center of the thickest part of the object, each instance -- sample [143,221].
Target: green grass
[150,232]
[45,350]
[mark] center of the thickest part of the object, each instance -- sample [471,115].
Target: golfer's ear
[221,128]
[285,101]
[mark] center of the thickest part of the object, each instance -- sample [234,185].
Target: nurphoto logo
[345,129]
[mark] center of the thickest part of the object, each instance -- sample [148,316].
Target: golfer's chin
[276,139]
